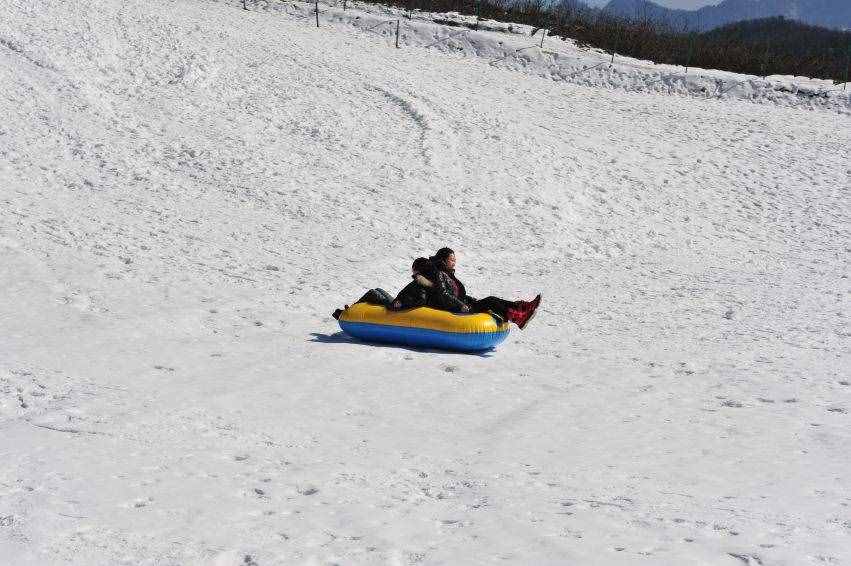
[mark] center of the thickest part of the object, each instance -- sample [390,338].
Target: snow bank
[512,46]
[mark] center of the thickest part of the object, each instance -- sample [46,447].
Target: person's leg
[493,304]
[376,297]
[525,313]
[518,312]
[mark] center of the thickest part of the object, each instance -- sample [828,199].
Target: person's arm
[466,298]
[445,299]
[403,297]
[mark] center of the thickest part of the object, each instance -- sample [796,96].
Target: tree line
[770,46]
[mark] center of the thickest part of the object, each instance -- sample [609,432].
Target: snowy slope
[188,189]
[519,47]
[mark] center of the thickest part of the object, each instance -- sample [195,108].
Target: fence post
[847,57]
[543,35]
[690,49]
[765,59]
[617,37]
[316,9]
[344,5]
[397,34]
[244,7]
[478,5]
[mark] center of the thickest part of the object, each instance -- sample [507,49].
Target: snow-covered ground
[188,189]
[521,47]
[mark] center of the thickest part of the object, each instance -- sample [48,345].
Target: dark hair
[442,254]
[421,264]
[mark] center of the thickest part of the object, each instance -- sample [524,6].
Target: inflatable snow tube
[423,327]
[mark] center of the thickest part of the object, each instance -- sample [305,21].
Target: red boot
[523,312]
[533,304]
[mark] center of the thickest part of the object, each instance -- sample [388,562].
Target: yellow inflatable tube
[423,327]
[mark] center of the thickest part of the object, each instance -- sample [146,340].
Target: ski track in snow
[187,190]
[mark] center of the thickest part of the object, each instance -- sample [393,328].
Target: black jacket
[444,295]
[414,294]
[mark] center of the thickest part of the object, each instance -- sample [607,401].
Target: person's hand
[396,305]
[465,308]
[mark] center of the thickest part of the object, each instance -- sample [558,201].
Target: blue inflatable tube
[423,327]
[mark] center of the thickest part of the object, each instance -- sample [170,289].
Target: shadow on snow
[343,338]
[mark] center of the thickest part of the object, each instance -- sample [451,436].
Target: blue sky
[685,4]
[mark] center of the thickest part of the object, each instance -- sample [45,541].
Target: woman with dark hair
[450,294]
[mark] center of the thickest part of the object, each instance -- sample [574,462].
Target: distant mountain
[827,13]
[778,46]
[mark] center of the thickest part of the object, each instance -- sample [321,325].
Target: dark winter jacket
[414,294]
[449,293]
[462,291]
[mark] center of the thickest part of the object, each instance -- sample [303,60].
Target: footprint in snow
[747,558]
[142,502]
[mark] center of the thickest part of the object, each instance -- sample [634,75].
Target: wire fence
[722,86]
[450,36]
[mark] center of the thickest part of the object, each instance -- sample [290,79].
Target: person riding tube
[450,294]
